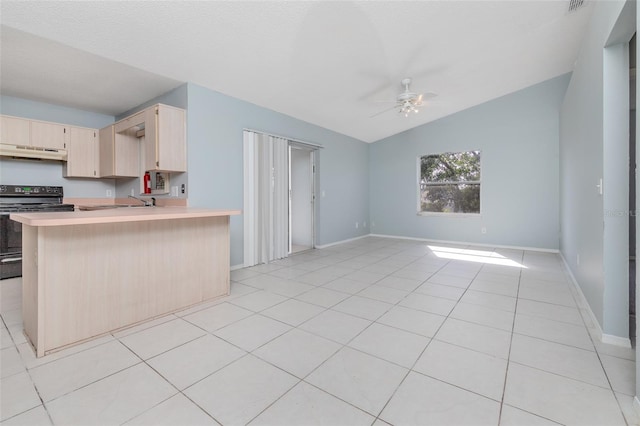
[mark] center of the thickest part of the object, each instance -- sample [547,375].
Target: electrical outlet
[356,225]
[174,191]
[184,188]
[133,194]
[108,193]
[483,230]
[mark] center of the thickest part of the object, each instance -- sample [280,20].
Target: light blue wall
[177,98]
[29,172]
[518,137]
[215,124]
[615,199]
[581,167]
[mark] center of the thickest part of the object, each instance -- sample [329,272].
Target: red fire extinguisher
[147,183]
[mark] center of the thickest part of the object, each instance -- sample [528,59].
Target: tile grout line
[343,345]
[513,326]
[143,361]
[410,370]
[397,267]
[597,352]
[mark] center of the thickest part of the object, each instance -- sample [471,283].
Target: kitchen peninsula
[86,273]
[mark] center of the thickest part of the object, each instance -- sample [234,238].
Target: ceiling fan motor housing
[406,96]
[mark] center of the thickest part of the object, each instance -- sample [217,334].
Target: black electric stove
[23,198]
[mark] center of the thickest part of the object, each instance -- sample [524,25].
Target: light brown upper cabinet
[49,135]
[82,155]
[15,131]
[119,152]
[37,134]
[165,139]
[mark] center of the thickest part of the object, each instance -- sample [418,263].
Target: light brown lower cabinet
[82,281]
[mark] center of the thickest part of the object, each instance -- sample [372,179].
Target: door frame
[312,180]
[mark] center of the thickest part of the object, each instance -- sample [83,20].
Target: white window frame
[445,214]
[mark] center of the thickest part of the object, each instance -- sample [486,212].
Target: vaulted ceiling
[327,63]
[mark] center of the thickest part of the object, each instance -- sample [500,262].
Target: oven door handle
[11,259]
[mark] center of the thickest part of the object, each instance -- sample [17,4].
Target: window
[449,183]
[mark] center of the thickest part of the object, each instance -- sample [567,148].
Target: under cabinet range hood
[19,151]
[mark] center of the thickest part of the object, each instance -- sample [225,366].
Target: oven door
[10,247]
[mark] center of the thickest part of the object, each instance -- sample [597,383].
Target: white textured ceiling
[322,62]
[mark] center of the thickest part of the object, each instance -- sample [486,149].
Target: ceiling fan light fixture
[407,108]
[407,101]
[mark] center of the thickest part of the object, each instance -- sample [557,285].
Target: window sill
[458,215]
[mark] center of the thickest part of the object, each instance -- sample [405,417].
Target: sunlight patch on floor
[478,256]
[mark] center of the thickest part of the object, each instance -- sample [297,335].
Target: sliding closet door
[266,198]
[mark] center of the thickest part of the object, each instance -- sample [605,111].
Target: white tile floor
[372,332]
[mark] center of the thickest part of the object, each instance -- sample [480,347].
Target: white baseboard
[428,240]
[342,241]
[584,306]
[610,339]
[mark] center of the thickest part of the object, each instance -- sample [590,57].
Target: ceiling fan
[407,102]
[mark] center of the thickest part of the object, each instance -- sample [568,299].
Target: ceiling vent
[575,5]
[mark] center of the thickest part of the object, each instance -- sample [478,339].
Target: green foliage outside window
[450,182]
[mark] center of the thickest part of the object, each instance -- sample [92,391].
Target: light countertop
[124,214]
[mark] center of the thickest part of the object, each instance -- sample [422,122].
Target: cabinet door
[127,154]
[48,135]
[119,153]
[165,139]
[82,155]
[151,139]
[172,144]
[106,141]
[15,131]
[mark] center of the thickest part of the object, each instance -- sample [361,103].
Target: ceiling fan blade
[379,91]
[383,111]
